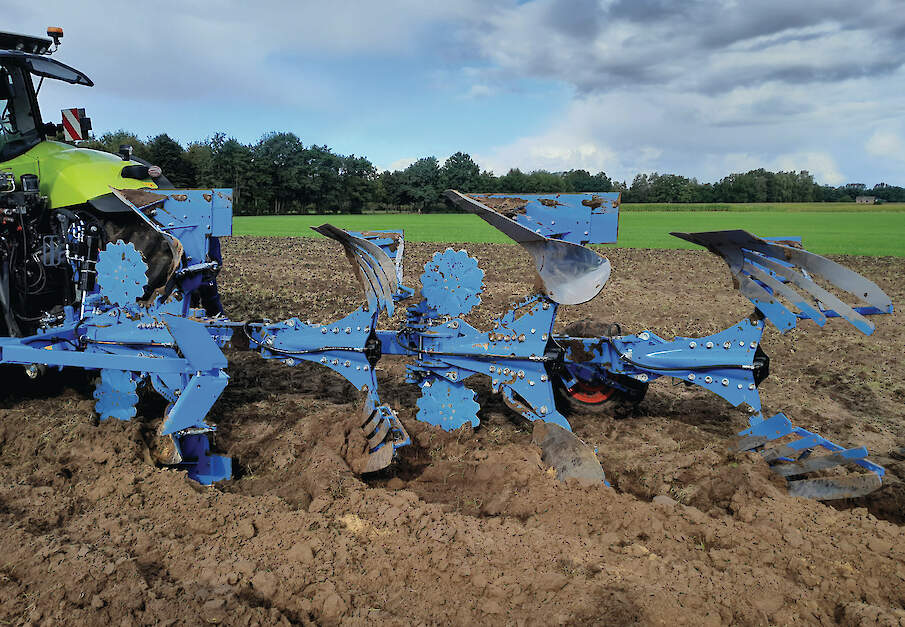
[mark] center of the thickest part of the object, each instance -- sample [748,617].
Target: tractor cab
[21,124]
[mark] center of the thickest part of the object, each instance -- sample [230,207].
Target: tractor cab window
[18,120]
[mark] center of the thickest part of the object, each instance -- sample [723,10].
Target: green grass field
[825,232]
[756,207]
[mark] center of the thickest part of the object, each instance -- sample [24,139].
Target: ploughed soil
[466,527]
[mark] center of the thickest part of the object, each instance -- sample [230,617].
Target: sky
[700,88]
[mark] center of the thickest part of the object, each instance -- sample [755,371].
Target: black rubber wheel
[585,399]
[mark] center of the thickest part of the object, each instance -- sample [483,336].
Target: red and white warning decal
[72,126]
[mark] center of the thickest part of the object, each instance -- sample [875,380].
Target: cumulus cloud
[708,87]
[886,144]
[822,165]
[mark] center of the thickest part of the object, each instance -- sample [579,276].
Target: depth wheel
[591,394]
[598,398]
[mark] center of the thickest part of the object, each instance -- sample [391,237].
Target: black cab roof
[31,53]
[24,43]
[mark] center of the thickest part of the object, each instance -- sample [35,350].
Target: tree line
[279,175]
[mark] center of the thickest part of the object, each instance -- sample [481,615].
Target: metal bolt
[323,330]
[741,342]
[546,305]
[521,374]
[750,386]
[452,376]
[692,344]
[367,329]
[709,344]
[336,329]
[427,384]
[708,379]
[506,371]
[269,341]
[530,382]
[753,344]
[492,369]
[740,386]
[290,323]
[323,360]
[335,362]
[726,345]
[543,410]
[691,377]
[544,336]
[499,370]
[348,329]
[644,335]
[289,361]
[725,382]
[543,377]
[532,330]
[366,367]
[642,377]
[521,338]
[348,363]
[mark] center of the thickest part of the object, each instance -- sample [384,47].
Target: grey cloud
[579,18]
[682,44]
[648,11]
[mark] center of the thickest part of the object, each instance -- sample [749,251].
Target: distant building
[866,200]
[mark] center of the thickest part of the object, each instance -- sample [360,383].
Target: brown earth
[467,527]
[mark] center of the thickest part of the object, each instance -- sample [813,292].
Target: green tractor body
[67,175]
[71,176]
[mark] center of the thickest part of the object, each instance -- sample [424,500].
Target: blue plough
[176,349]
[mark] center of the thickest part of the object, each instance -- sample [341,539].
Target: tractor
[84,230]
